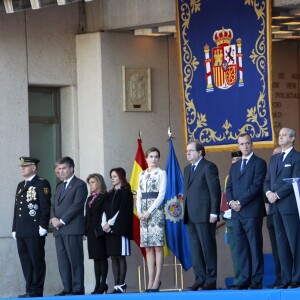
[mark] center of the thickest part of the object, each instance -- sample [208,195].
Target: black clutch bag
[99,231]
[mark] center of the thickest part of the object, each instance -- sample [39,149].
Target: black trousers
[32,256]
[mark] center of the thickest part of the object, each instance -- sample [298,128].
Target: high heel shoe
[119,289]
[95,290]
[155,290]
[103,289]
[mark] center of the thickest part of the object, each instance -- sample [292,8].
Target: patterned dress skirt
[153,229]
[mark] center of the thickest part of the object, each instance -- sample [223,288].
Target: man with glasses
[202,196]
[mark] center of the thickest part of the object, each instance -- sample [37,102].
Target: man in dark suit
[67,217]
[244,193]
[30,224]
[272,236]
[284,208]
[235,157]
[202,196]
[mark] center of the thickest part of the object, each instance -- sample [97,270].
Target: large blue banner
[225,71]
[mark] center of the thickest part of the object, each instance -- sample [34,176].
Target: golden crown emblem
[223,37]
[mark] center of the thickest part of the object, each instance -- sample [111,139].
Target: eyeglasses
[189,151]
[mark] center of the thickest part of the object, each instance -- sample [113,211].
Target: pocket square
[287,165]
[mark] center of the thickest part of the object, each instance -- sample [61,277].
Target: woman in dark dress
[117,222]
[95,236]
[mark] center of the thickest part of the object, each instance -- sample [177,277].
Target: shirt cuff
[61,221]
[268,192]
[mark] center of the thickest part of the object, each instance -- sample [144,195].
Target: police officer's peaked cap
[27,161]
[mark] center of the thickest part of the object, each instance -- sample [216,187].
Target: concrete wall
[36,48]
[42,48]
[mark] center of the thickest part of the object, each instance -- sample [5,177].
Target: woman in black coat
[93,230]
[117,222]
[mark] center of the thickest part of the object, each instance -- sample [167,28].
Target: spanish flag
[138,165]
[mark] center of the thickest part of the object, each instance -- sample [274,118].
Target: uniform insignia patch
[32,213]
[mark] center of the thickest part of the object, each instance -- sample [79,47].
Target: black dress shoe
[33,295]
[255,286]
[77,293]
[208,287]
[282,286]
[294,285]
[27,295]
[240,287]
[63,293]
[194,287]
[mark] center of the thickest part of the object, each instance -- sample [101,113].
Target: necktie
[63,189]
[280,161]
[27,183]
[193,169]
[243,166]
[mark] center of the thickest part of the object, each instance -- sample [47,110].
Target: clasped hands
[106,227]
[144,216]
[56,223]
[235,205]
[272,197]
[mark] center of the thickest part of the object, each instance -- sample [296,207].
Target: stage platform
[265,294]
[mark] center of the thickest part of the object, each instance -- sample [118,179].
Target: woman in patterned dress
[150,195]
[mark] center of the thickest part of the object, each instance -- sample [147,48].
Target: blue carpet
[264,294]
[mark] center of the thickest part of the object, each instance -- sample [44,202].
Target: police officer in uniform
[30,224]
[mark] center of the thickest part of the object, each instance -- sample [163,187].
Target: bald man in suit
[284,208]
[202,196]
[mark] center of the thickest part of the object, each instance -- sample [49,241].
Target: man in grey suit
[202,196]
[283,207]
[67,217]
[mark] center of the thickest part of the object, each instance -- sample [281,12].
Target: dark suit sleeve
[256,186]
[267,182]
[229,193]
[44,196]
[286,189]
[213,182]
[15,208]
[76,208]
